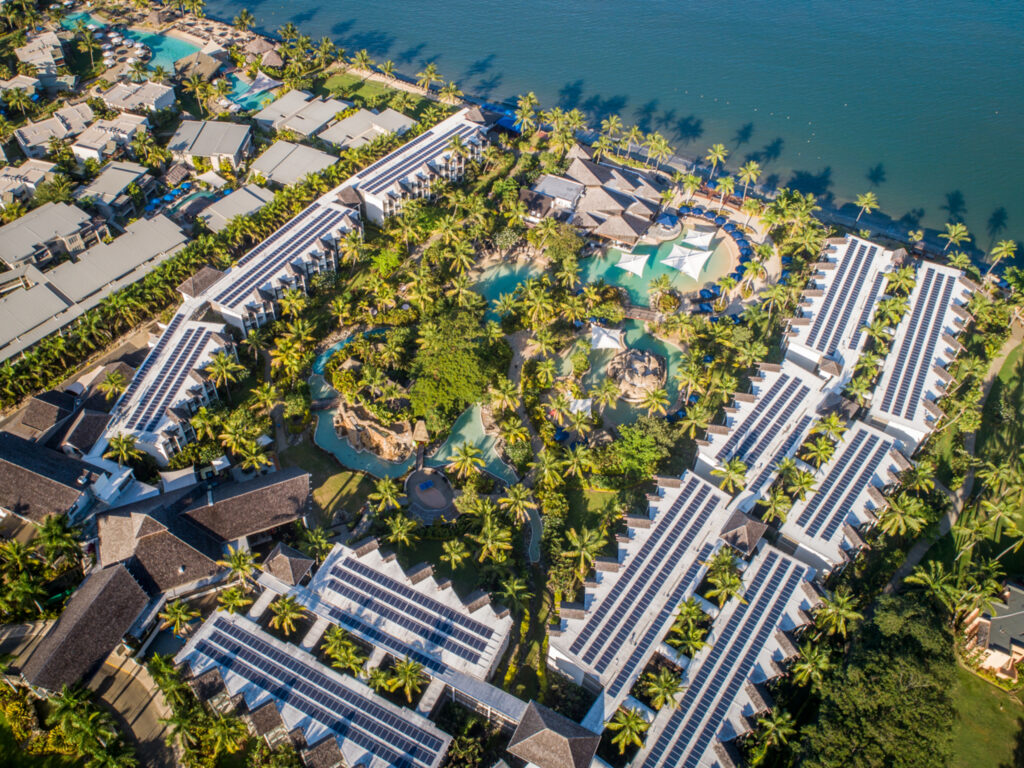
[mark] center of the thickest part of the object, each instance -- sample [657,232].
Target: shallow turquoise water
[918,100]
[503,278]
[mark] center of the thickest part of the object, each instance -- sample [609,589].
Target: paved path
[519,342]
[959,498]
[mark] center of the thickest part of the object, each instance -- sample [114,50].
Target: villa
[110,191]
[285,163]
[409,172]
[551,196]
[48,232]
[44,51]
[996,636]
[365,126]
[19,182]
[211,141]
[300,113]
[66,123]
[139,97]
[107,138]
[242,202]
[29,85]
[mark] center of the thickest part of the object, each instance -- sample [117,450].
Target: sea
[919,101]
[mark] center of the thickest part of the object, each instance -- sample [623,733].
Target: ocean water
[921,101]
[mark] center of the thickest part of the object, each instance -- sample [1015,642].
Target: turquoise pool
[603,266]
[503,278]
[239,89]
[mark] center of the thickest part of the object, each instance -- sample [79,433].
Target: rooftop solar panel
[741,429]
[839,284]
[410,157]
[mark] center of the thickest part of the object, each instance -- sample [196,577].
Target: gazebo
[549,740]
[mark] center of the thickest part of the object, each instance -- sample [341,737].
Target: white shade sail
[697,238]
[605,338]
[689,261]
[583,405]
[633,262]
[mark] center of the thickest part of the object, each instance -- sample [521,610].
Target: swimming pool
[603,266]
[503,278]
[239,89]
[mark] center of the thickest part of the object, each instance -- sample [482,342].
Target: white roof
[689,261]
[213,179]
[605,338]
[633,262]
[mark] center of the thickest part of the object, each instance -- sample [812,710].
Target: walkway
[519,342]
[963,494]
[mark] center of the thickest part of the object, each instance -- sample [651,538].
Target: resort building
[211,141]
[996,636]
[914,374]
[29,85]
[198,64]
[551,196]
[19,182]
[750,641]
[242,202]
[605,641]
[170,386]
[139,97]
[66,123]
[285,163]
[48,232]
[763,427]
[171,542]
[44,51]
[107,138]
[111,193]
[824,528]
[547,739]
[409,172]
[247,295]
[365,126]
[841,298]
[322,702]
[300,113]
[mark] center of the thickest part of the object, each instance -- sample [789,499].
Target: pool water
[239,89]
[189,198]
[503,278]
[604,266]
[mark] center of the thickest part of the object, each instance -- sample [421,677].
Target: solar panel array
[293,240]
[869,307]
[294,679]
[847,281]
[715,686]
[424,149]
[660,626]
[765,420]
[437,624]
[165,387]
[916,341]
[152,357]
[795,438]
[614,616]
[850,472]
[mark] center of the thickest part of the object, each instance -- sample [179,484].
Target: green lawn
[1010,379]
[588,508]
[12,756]
[989,724]
[465,580]
[352,87]
[334,488]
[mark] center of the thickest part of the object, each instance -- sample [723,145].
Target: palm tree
[244,21]
[387,495]
[834,614]
[716,154]
[113,384]
[428,76]
[748,174]
[583,548]
[776,506]
[662,688]
[292,302]
[178,615]
[228,733]
[629,727]
[515,593]
[799,483]
[517,502]
[1004,249]
[450,93]
[407,675]
[122,448]
[867,203]
[934,579]
[287,610]
[200,90]
[455,553]
[724,586]
[265,397]
[526,114]
[901,514]
[233,600]
[776,728]
[242,563]
[733,475]
[223,369]
[466,459]
[59,538]
[726,185]
[955,234]
[494,540]
[812,665]
[819,451]
[656,401]
[402,530]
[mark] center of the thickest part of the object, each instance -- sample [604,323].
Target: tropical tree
[629,728]
[223,369]
[401,530]
[386,495]
[662,688]
[1004,249]
[515,593]
[955,234]
[58,538]
[466,460]
[655,401]
[177,615]
[818,451]
[748,174]
[454,552]
[241,563]
[233,600]
[428,76]
[113,384]
[583,547]
[407,675]
[732,474]
[244,21]
[122,448]
[867,203]
[835,613]
[811,666]
[517,502]
[494,540]
[716,155]
[227,734]
[287,610]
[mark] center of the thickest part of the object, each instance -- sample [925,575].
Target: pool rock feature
[430,494]
[365,433]
[637,372]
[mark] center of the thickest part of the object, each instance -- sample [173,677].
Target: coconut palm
[955,234]
[903,513]
[287,610]
[233,600]
[454,552]
[223,369]
[494,540]
[227,733]
[401,530]
[813,663]
[716,155]
[583,547]
[58,538]
[818,451]
[407,675]
[831,426]
[799,483]
[629,727]
[517,502]
[178,615]
[122,448]
[265,397]
[386,495]
[775,729]
[836,612]
[428,76]
[504,395]
[466,460]
[724,586]
[748,174]
[933,578]
[733,474]
[776,506]
[662,688]
[241,563]
[726,185]
[867,203]
[244,21]
[1004,249]
[655,401]
[515,593]
[113,384]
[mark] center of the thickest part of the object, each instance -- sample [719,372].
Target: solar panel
[777,421]
[795,438]
[845,266]
[872,302]
[923,365]
[179,352]
[154,353]
[837,326]
[740,430]
[305,686]
[411,156]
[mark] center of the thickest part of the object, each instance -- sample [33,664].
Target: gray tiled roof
[36,482]
[550,740]
[18,240]
[287,564]
[241,202]
[94,621]
[208,138]
[241,509]
[286,163]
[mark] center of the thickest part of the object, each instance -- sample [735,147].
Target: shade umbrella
[698,238]
[581,405]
